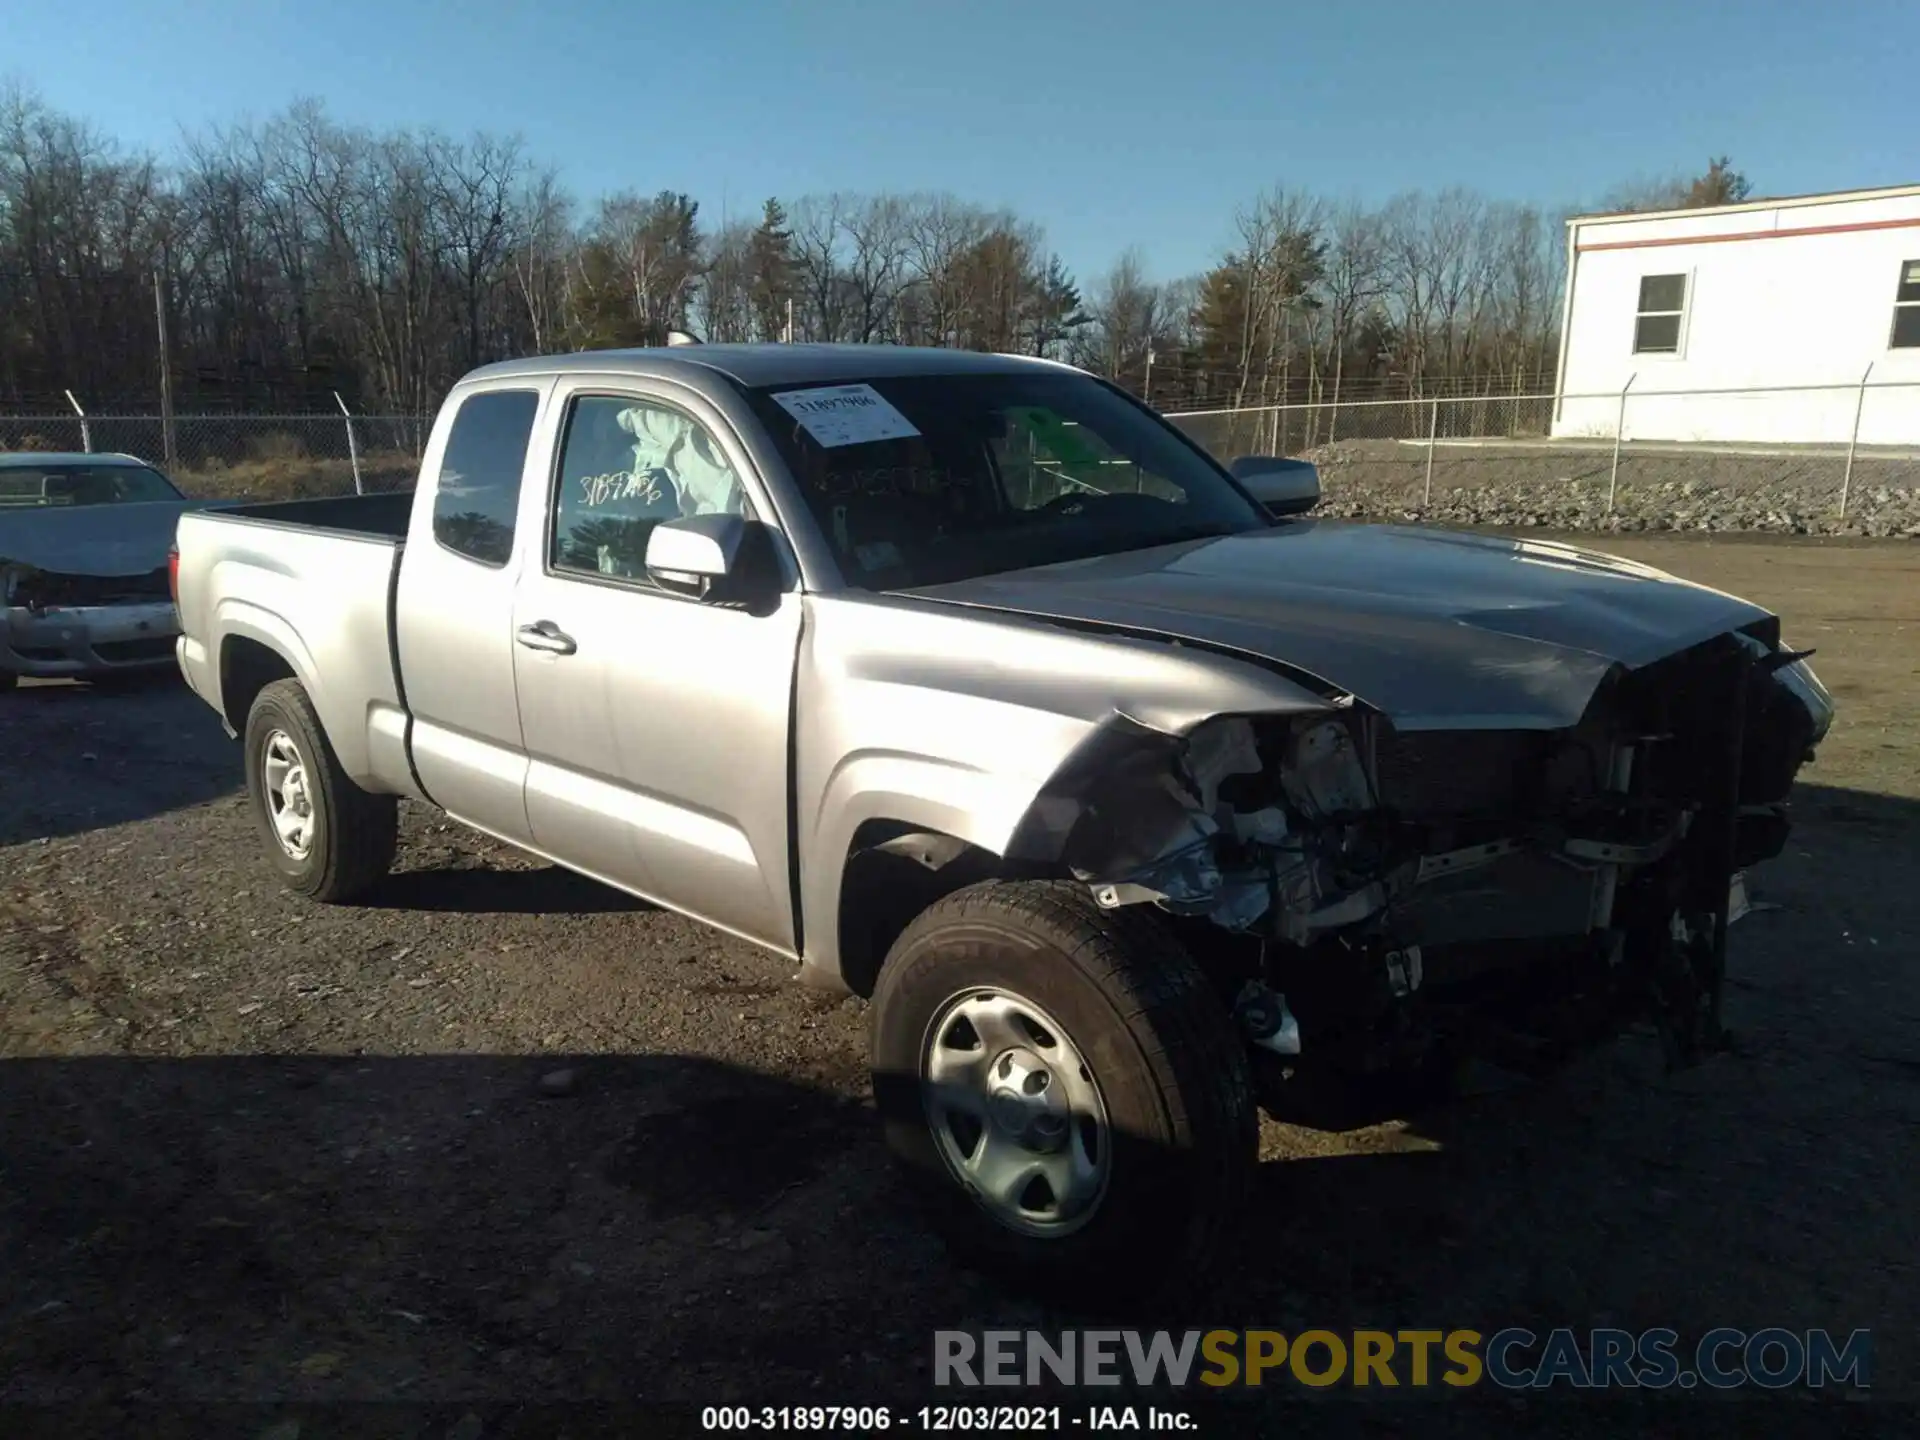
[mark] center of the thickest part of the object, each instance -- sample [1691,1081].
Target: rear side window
[478,492]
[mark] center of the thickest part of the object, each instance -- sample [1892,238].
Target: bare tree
[725,301]
[472,193]
[1127,317]
[817,242]
[940,233]
[300,255]
[540,261]
[1354,281]
[875,228]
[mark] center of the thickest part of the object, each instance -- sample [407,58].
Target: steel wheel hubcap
[283,776]
[1015,1112]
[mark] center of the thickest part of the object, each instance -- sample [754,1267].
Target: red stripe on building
[1754,235]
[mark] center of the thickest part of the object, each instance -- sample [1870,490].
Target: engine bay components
[1623,838]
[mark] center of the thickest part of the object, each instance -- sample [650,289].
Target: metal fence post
[1619,429]
[353,446]
[1433,434]
[86,432]
[1853,441]
[169,437]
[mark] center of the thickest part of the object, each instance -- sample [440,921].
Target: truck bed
[384,515]
[311,582]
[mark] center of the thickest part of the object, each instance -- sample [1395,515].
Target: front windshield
[65,483]
[926,479]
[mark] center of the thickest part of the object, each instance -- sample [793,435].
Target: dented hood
[1436,629]
[125,539]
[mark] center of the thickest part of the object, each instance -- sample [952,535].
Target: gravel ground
[507,1136]
[1660,487]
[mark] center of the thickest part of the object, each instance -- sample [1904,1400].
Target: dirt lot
[251,1149]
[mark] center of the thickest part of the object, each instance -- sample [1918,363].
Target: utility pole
[787,338]
[166,376]
[1146,396]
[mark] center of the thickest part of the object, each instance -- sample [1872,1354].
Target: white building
[1813,291]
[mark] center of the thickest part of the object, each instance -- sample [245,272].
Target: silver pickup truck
[977,689]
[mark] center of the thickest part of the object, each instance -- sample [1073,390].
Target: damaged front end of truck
[1375,897]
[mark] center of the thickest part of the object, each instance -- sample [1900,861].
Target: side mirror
[1285,487]
[721,559]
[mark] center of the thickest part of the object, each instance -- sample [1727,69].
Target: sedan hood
[1434,628]
[105,540]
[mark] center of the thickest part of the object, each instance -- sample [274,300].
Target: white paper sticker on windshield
[845,415]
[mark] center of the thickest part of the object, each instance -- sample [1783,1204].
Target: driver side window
[627,464]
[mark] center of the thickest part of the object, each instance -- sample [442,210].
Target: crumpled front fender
[989,730]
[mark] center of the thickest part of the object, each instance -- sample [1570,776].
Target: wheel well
[246,668]
[892,872]
[895,870]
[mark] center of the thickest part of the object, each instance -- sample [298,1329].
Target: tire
[1167,1067]
[350,836]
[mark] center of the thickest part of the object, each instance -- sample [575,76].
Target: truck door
[656,726]
[454,610]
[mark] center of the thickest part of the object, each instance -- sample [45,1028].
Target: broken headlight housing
[1304,856]
[1800,681]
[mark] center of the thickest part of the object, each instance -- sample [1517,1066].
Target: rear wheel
[326,837]
[1065,1090]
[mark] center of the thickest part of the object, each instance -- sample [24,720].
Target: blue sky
[1112,123]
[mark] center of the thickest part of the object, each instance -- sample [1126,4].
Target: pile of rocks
[1533,488]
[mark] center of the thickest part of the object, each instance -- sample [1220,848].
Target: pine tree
[771,269]
[1721,185]
[1054,308]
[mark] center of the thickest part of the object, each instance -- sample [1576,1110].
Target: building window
[1663,304]
[1906,308]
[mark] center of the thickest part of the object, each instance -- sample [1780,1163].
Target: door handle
[546,636]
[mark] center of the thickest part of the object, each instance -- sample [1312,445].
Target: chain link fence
[1802,459]
[1808,459]
[244,456]
[1299,429]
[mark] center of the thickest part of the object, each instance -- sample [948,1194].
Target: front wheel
[328,839]
[1065,1089]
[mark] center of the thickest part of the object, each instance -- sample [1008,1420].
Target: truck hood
[1435,629]
[103,540]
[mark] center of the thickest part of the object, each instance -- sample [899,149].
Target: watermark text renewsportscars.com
[1512,1358]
